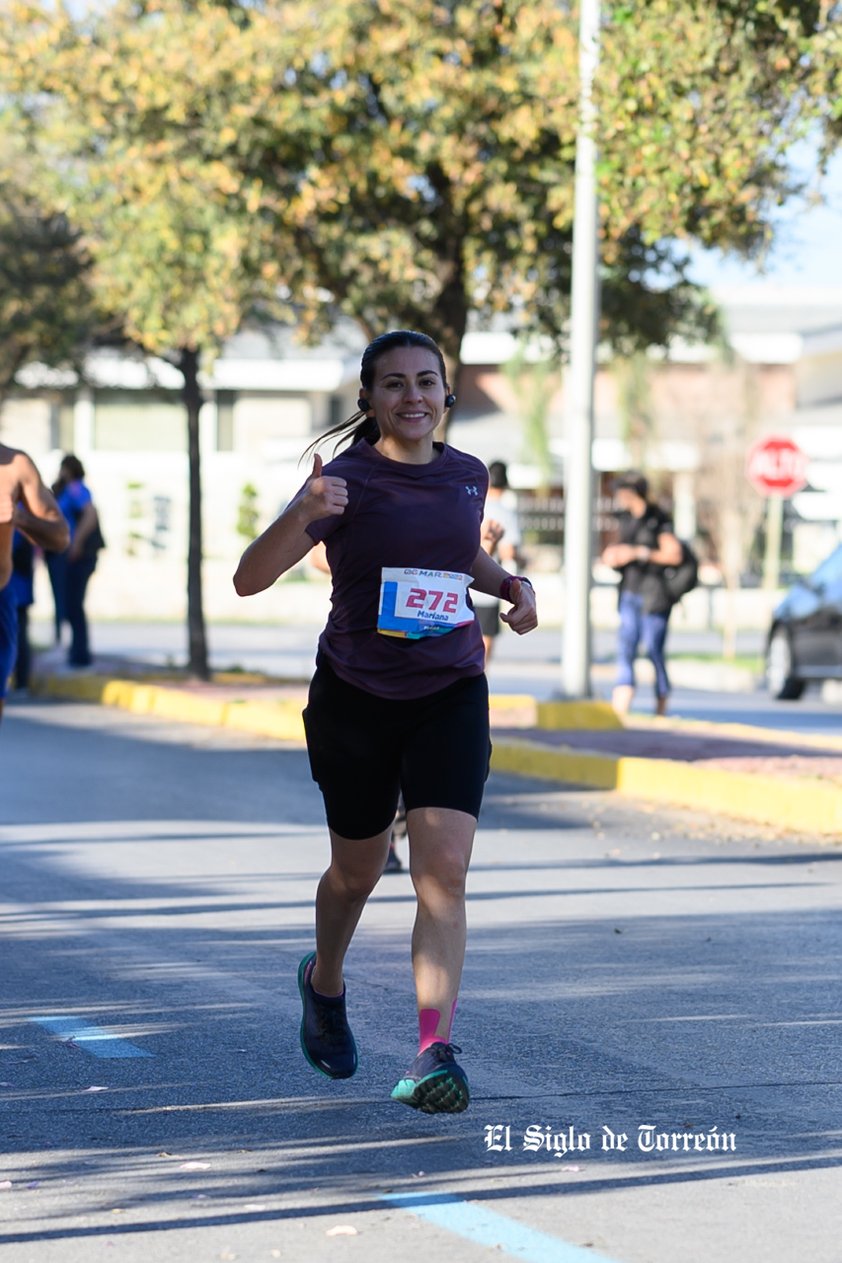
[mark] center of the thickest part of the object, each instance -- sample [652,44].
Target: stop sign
[777,467]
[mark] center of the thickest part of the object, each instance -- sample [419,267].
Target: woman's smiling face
[407,396]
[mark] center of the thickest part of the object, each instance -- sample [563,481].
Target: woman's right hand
[286,542]
[322,494]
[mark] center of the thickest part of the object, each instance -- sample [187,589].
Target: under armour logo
[472,491]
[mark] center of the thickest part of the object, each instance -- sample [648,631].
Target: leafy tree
[47,310]
[441,181]
[407,164]
[143,117]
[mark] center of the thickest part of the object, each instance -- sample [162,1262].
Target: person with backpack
[646,555]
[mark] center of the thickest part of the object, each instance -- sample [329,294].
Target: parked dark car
[805,639]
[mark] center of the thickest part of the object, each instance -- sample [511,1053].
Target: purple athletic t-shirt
[399,514]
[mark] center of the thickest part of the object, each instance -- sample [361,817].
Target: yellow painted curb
[281,720]
[577,715]
[527,758]
[805,805]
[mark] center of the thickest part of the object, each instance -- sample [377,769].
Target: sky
[808,243]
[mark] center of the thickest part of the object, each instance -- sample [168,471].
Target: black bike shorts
[365,750]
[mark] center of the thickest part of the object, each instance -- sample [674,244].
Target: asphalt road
[528,664]
[627,969]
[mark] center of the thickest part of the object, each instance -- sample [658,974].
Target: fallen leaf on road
[342,1230]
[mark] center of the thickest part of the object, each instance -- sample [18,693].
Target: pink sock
[428,1024]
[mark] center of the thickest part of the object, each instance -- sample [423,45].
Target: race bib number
[416,603]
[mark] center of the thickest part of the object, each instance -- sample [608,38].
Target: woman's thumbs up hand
[324,495]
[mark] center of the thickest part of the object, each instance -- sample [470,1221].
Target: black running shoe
[326,1038]
[435,1083]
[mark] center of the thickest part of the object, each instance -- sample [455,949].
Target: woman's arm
[284,543]
[85,526]
[488,575]
[489,578]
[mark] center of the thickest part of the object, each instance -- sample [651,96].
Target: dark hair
[355,429]
[635,482]
[498,475]
[74,467]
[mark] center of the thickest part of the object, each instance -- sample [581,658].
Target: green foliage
[144,118]
[410,163]
[47,312]
[247,513]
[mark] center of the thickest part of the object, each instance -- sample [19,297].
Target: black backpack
[683,578]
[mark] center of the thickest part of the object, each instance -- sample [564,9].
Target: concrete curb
[805,805]
[280,720]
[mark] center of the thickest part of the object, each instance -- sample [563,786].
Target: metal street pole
[584,312]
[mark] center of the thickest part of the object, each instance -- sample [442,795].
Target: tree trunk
[197,639]
[449,319]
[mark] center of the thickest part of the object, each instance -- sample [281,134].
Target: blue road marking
[92,1038]
[485,1227]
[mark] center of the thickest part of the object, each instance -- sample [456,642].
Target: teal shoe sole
[441,1092]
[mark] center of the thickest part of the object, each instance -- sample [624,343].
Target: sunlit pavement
[626,968]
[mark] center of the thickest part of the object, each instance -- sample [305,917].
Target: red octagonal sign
[777,467]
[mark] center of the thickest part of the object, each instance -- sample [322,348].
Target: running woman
[399,699]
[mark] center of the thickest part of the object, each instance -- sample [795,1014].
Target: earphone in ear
[449,401]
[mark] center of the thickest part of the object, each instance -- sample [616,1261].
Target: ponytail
[359,426]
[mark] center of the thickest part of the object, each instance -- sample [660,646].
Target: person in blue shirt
[76,503]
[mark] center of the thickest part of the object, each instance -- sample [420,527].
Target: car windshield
[829,572]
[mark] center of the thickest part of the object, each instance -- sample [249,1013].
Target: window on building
[225,403]
[337,411]
[61,424]
[135,421]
